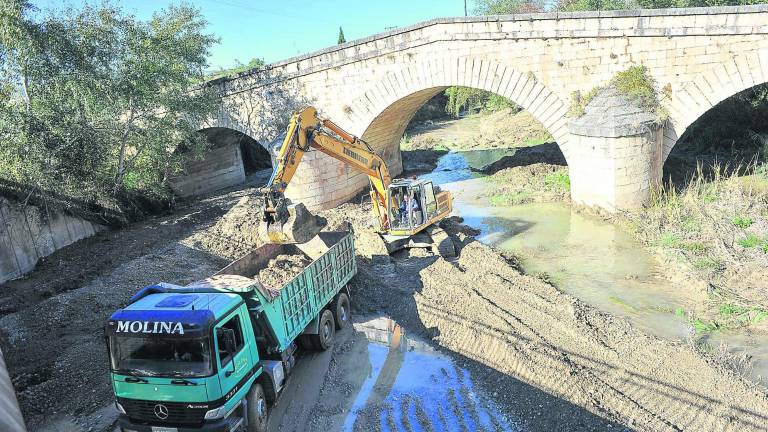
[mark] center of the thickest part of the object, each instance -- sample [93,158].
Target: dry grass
[716,227]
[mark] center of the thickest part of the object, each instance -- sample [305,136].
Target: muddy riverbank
[540,358]
[703,249]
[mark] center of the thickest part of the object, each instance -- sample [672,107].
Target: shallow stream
[583,256]
[411,386]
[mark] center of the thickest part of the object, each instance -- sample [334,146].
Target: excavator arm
[306,130]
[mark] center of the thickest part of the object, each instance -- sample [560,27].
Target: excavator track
[442,243]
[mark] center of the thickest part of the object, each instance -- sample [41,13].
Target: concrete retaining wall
[222,167]
[30,233]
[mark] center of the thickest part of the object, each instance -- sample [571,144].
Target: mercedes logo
[161,411]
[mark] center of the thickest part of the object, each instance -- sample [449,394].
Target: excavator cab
[415,209]
[412,204]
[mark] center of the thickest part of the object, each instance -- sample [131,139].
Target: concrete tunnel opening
[233,158]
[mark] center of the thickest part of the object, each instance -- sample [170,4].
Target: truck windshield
[160,356]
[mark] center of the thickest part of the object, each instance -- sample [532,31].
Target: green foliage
[514,198]
[95,101]
[341,39]
[637,85]
[586,5]
[558,180]
[502,7]
[742,221]
[729,309]
[579,102]
[669,240]
[749,241]
[706,263]
[254,63]
[466,98]
[702,326]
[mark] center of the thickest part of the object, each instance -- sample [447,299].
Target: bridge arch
[382,113]
[699,95]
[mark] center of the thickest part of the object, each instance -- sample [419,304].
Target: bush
[749,241]
[742,221]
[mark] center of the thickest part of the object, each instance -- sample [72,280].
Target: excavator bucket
[291,224]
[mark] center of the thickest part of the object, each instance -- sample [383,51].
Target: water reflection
[413,387]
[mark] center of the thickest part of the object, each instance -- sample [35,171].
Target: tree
[254,63]
[342,39]
[94,102]
[504,7]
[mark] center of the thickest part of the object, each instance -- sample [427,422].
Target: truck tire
[342,311]
[325,332]
[258,410]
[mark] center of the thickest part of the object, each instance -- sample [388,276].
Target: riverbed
[585,257]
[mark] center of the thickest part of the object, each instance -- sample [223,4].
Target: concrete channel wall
[10,414]
[222,167]
[29,233]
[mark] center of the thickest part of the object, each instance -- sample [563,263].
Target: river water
[411,386]
[583,256]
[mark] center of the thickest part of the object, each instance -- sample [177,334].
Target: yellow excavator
[407,210]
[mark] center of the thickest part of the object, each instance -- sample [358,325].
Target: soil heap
[282,269]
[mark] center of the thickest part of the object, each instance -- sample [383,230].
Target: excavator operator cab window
[430,203]
[417,208]
[406,207]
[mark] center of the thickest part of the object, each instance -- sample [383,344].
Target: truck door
[232,356]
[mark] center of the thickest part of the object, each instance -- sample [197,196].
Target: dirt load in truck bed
[282,269]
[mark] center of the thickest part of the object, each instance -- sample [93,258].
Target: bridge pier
[616,154]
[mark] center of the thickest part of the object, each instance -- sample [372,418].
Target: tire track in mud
[518,325]
[591,385]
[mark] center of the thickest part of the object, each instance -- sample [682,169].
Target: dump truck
[213,355]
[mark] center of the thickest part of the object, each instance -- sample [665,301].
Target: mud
[545,359]
[236,232]
[513,329]
[282,269]
[52,329]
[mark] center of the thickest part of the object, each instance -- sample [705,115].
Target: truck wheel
[258,411]
[341,311]
[324,338]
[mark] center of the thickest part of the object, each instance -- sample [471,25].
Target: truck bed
[291,307]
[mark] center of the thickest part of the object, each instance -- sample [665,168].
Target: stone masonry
[373,86]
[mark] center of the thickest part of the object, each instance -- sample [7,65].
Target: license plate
[163,429]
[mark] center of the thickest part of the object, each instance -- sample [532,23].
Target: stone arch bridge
[373,87]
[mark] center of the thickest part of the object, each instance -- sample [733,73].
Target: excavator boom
[286,223]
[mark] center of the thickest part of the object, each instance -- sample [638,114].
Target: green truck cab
[213,355]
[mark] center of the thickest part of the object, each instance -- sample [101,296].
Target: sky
[276,30]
